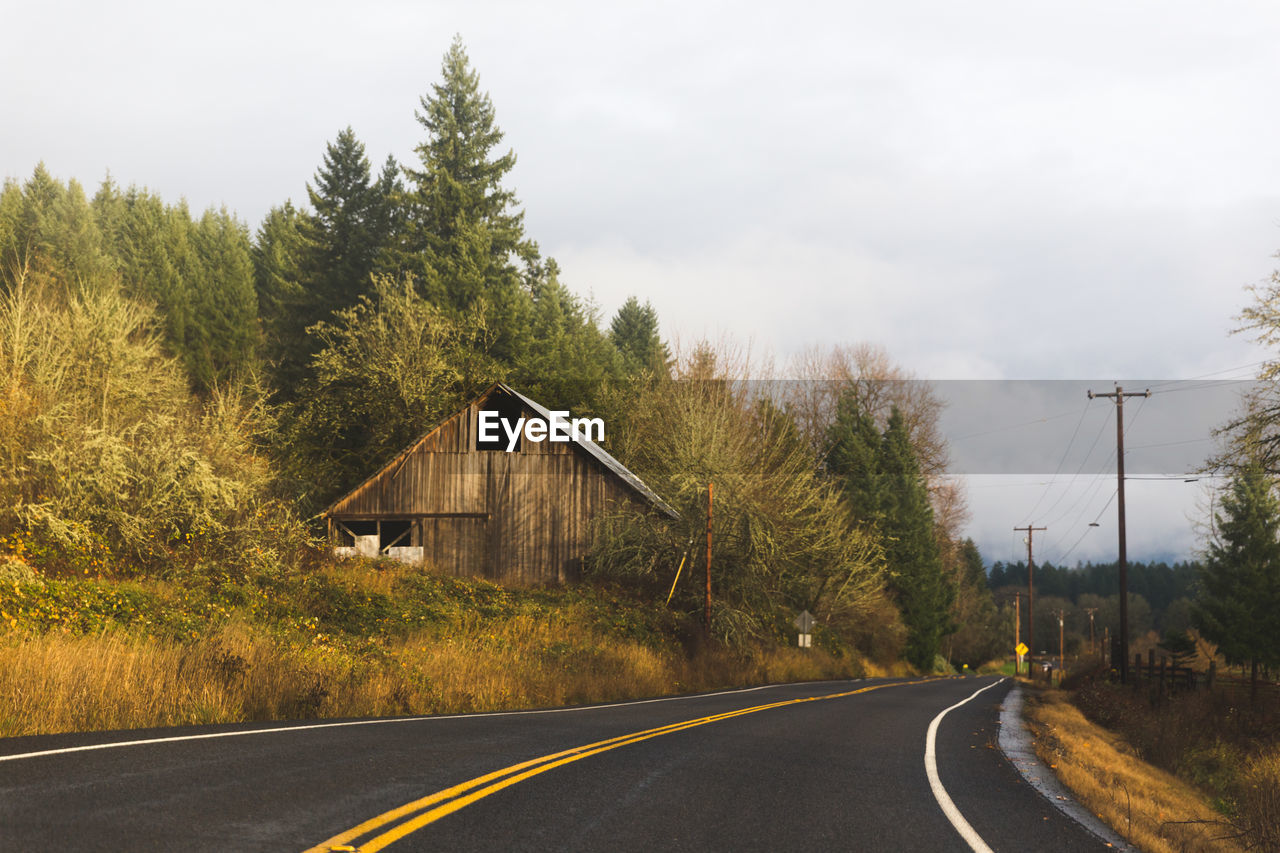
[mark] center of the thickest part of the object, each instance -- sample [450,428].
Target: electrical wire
[1070,443]
[1213,373]
[1083,462]
[1129,426]
[1063,559]
[1088,495]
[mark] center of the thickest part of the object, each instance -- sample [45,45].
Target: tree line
[176,385]
[1160,584]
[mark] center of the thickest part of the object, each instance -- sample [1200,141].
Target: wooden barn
[470,507]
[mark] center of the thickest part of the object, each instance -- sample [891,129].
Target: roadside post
[804,622]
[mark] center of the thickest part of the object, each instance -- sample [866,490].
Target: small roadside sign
[1021,649]
[804,622]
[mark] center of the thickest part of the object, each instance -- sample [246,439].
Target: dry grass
[59,683]
[1260,799]
[355,638]
[892,670]
[1152,809]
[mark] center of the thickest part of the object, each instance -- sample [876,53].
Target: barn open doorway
[392,537]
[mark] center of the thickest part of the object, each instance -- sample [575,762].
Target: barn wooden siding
[521,517]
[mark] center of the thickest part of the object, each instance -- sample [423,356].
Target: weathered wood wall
[520,517]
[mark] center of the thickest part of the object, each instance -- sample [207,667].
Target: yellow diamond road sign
[1022,649]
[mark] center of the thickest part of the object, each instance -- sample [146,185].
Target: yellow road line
[499,779]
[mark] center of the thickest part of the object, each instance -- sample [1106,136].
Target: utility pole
[1119,395]
[706,616]
[1031,596]
[1017,632]
[1062,647]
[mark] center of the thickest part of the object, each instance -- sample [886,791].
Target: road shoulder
[1017,745]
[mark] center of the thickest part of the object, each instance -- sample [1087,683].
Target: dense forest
[183,394]
[1161,597]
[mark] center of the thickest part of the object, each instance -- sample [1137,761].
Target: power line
[1043,420]
[1216,383]
[1063,559]
[1032,485]
[1071,442]
[1172,443]
[1083,462]
[1213,373]
[1084,501]
[1088,495]
[1173,477]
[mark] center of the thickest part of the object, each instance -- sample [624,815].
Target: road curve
[839,765]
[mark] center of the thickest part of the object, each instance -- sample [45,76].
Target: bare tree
[878,385]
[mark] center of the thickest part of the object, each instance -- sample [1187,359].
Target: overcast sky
[999,190]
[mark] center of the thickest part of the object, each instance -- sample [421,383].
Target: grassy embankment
[1197,772]
[348,639]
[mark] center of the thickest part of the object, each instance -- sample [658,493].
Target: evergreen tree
[568,362]
[221,337]
[853,459]
[309,264]
[924,593]
[463,234]
[980,633]
[12,254]
[110,211]
[348,226]
[1239,603]
[634,331]
[53,237]
[151,246]
[280,252]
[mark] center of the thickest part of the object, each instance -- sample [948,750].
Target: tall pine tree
[309,264]
[222,335]
[1239,603]
[152,248]
[853,458]
[280,253]
[463,234]
[349,224]
[916,576]
[634,331]
[568,362]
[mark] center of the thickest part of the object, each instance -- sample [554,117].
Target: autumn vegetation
[181,395]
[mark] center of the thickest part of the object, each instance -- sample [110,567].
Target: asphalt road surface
[821,766]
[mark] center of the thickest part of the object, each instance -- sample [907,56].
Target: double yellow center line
[429,809]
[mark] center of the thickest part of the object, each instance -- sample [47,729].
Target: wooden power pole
[1017,632]
[1062,646]
[1092,647]
[1119,394]
[1031,597]
[706,615]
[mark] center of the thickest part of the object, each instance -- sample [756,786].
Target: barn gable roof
[612,465]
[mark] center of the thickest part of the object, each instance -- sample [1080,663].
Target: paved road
[832,765]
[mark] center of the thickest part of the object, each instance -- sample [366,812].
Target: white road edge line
[940,793]
[418,719]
